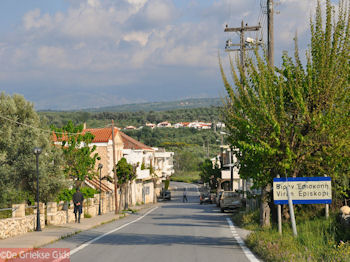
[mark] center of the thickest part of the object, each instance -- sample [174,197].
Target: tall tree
[209,172]
[21,131]
[295,120]
[80,157]
[125,174]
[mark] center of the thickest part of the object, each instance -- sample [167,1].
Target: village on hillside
[195,124]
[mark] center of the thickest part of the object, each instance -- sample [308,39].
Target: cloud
[140,37]
[145,44]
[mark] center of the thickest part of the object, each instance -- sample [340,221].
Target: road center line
[110,232]
[241,243]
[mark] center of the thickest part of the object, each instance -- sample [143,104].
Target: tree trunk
[121,189]
[265,208]
[126,198]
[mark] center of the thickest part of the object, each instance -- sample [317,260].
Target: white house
[130,127]
[164,124]
[163,163]
[178,125]
[151,125]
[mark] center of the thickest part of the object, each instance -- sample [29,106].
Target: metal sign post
[279,216]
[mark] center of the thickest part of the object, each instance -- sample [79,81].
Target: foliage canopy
[20,133]
[295,119]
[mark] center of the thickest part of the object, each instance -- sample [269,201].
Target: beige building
[104,147]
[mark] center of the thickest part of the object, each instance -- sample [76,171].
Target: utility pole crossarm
[232,50]
[244,28]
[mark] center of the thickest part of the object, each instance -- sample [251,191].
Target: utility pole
[115,172]
[242,45]
[270,34]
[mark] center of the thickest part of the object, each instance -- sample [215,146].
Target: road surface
[171,232]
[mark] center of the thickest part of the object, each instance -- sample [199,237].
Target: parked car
[205,198]
[230,200]
[165,195]
[218,198]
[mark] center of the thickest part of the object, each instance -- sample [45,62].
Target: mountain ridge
[159,106]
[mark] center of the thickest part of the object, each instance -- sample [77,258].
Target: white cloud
[34,20]
[53,56]
[108,43]
[140,37]
[159,11]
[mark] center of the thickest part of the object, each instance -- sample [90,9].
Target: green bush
[317,241]
[166,184]
[67,194]
[187,177]
[5,214]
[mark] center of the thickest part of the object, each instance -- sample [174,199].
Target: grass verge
[318,240]
[187,177]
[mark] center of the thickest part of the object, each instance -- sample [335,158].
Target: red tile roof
[101,134]
[130,143]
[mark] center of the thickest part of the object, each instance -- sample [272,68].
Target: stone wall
[61,213]
[20,223]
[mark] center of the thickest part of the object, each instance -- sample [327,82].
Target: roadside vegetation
[318,239]
[187,177]
[294,120]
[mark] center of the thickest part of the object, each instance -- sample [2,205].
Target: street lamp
[99,204]
[37,152]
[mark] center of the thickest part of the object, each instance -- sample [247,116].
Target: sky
[74,54]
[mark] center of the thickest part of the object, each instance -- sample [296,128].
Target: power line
[41,129]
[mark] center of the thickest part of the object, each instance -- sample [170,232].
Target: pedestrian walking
[78,199]
[184,196]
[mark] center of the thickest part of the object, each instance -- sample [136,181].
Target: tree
[295,120]
[79,155]
[209,173]
[20,133]
[125,174]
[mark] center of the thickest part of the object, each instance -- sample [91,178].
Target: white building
[151,125]
[178,125]
[163,163]
[164,124]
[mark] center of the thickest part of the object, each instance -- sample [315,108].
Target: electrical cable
[41,129]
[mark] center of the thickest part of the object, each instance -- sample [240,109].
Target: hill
[160,106]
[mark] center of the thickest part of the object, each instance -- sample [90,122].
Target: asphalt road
[172,231]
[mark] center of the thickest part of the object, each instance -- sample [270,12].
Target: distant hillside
[160,106]
[139,118]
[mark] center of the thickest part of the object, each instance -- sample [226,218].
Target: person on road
[78,199]
[184,196]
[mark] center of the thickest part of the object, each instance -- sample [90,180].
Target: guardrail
[9,215]
[10,208]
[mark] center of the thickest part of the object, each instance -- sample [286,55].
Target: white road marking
[239,240]
[105,234]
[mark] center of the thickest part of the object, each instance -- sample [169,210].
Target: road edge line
[251,257]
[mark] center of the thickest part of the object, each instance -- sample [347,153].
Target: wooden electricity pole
[270,35]
[242,43]
[115,172]
[242,49]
